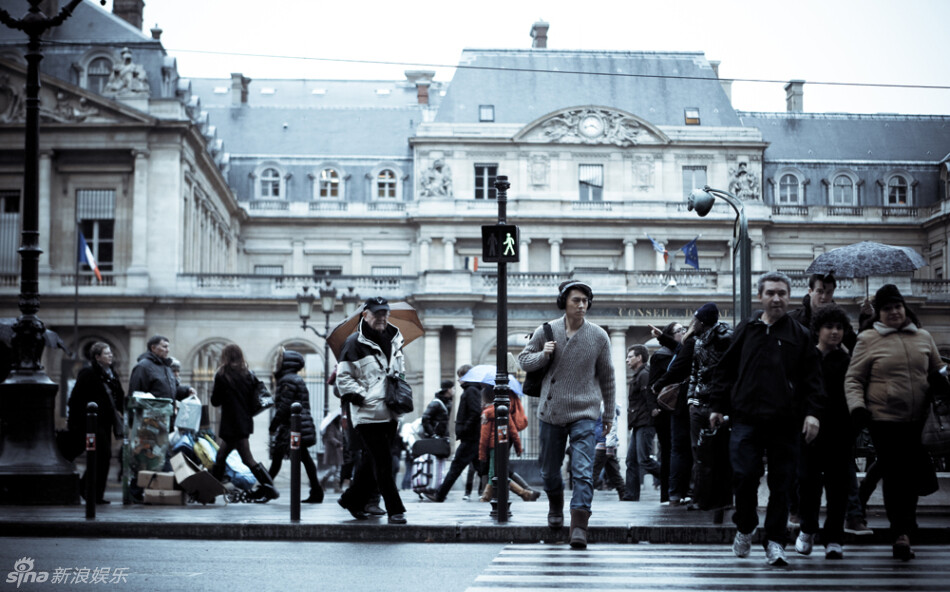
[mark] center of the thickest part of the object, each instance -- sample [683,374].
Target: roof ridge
[841,116]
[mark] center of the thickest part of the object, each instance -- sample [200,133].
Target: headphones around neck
[562,297]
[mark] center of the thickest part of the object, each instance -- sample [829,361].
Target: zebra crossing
[672,568]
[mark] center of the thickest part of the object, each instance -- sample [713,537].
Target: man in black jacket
[435,419]
[767,382]
[467,431]
[153,372]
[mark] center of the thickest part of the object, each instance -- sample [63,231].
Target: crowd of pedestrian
[790,391]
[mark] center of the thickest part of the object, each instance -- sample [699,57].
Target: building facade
[211,203]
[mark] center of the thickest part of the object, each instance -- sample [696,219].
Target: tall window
[329,184]
[97,74]
[96,209]
[842,191]
[485,175]
[897,191]
[789,189]
[694,177]
[9,230]
[270,184]
[590,178]
[386,184]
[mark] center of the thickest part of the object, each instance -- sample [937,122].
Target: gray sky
[869,41]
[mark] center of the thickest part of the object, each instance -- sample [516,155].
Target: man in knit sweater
[579,379]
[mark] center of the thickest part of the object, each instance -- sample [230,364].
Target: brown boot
[579,528]
[555,509]
[488,493]
[527,495]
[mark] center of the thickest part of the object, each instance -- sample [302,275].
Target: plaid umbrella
[865,259]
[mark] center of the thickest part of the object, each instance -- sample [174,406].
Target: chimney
[156,33]
[422,79]
[726,84]
[539,32]
[129,11]
[794,96]
[239,83]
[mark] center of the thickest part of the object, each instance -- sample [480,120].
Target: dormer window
[486,113]
[692,116]
[98,74]
[270,184]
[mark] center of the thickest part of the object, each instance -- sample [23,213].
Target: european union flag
[691,253]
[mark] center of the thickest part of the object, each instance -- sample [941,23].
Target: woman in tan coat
[886,388]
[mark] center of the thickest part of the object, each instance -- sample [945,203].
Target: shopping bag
[189,414]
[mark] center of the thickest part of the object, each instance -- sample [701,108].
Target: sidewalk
[453,521]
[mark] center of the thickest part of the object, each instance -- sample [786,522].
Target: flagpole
[76,292]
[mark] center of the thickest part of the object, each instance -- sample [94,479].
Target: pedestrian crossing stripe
[709,568]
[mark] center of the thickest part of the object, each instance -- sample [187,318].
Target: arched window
[270,184]
[386,184]
[97,74]
[329,184]
[897,191]
[842,191]
[789,189]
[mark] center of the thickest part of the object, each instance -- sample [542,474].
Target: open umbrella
[401,314]
[485,373]
[864,259]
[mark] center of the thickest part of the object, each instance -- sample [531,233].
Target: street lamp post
[305,302]
[32,471]
[702,201]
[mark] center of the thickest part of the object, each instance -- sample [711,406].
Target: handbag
[532,382]
[669,396]
[261,399]
[398,395]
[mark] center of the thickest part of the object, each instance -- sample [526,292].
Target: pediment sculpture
[592,125]
[55,105]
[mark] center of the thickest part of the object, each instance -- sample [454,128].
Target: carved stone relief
[643,172]
[437,180]
[743,183]
[593,126]
[65,108]
[128,79]
[539,168]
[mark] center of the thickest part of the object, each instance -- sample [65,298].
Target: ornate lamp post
[702,201]
[305,302]
[31,469]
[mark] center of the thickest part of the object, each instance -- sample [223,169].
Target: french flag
[86,256]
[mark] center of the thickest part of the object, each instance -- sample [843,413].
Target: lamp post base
[32,471]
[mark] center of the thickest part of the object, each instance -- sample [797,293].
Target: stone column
[463,346]
[628,251]
[555,254]
[432,370]
[757,263]
[618,357]
[137,339]
[424,244]
[523,255]
[448,263]
[298,262]
[139,243]
[356,258]
[45,220]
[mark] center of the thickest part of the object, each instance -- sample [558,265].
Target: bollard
[295,410]
[92,411]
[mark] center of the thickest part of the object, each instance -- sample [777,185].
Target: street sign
[500,243]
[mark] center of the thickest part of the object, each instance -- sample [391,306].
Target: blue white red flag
[86,256]
[660,249]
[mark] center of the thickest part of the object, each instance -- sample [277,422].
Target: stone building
[217,200]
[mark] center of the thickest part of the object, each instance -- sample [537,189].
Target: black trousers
[901,457]
[306,460]
[376,441]
[464,455]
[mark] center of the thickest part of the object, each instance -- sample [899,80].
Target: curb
[454,533]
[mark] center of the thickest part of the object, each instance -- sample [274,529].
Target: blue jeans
[554,439]
[639,463]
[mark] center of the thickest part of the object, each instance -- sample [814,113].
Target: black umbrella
[866,259]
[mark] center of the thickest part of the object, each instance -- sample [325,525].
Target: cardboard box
[164,497]
[156,480]
[195,480]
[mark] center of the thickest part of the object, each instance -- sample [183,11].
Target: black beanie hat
[708,314]
[887,294]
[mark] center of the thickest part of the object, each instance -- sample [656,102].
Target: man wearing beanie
[435,419]
[713,338]
[769,384]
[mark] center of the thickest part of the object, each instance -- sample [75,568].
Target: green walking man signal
[500,243]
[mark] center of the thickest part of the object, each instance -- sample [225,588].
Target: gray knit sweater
[581,375]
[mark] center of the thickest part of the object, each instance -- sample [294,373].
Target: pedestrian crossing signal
[500,243]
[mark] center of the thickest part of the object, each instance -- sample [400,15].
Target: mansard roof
[380,132]
[309,92]
[845,136]
[523,85]
[89,24]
